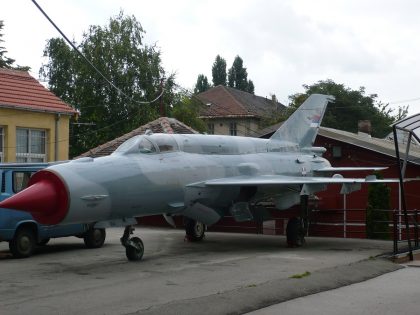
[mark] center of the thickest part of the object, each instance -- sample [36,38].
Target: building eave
[37,110]
[413,158]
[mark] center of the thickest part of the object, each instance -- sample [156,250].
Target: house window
[233,131]
[30,145]
[1,144]
[210,128]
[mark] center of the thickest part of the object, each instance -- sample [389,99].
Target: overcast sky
[283,43]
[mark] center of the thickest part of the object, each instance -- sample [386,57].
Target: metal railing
[402,237]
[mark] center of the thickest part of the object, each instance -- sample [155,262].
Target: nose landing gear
[134,247]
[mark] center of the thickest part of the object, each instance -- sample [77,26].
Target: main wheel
[135,253]
[94,238]
[294,234]
[195,230]
[23,244]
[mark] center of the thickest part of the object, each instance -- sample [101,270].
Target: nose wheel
[134,247]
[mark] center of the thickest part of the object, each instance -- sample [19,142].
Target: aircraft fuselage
[134,183]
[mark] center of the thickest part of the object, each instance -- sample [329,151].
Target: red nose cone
[46,198]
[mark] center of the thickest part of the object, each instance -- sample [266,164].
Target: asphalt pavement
[225,274]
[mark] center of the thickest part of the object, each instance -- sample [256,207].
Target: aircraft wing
[349,169]
[262,180]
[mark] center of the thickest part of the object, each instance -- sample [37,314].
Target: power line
[405,101]
[90,63]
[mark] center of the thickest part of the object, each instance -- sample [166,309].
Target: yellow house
[34,123]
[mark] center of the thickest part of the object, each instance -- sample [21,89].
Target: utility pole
[162,107]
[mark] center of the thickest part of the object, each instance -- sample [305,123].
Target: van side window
[3,182]
[20,180]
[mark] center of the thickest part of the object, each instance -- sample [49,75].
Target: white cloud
[284,44]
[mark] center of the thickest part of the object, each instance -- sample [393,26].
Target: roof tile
[160,125]
[223,101]
[18,89]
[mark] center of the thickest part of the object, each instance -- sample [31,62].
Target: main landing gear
[297,227]
[194,230]
[134,248]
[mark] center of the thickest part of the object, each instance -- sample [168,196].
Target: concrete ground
[392,293]
[224,274]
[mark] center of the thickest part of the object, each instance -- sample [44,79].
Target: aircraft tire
[293,232]
[23,243]
[195,230]
[94,238]
[135,253]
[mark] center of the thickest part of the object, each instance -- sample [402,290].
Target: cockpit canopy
[149,144]
[200,144]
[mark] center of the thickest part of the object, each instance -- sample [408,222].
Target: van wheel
[94,238]
[23,244]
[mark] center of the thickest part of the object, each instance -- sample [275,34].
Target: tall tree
[219,71]
[118,52]
[377,218]
[6,62]
[237,75]
[250,88]
[202,84]
[187,110]
[349,107]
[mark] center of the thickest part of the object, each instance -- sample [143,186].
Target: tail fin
[302,126]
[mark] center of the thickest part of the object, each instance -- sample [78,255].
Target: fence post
[416,229]
[395,219]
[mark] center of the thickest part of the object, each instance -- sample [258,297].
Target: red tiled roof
[160,125]
[223,101]
[18,89]
[219,102]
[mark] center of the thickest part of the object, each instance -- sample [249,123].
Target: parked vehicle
[20,229]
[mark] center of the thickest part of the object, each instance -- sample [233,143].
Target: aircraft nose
[46,198]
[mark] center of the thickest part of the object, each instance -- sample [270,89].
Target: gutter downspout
[57,120]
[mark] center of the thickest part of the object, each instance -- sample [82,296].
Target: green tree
[377,216]
[187,110]
[118,52]
[349,107]
[202,84]
[61,69]
[250,87]
[238,76]
[6,62]
[219,71]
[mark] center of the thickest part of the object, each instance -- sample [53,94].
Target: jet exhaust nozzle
[46,198]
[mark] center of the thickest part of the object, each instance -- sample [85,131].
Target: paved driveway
[226,273]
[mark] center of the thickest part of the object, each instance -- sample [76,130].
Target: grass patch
[301,275]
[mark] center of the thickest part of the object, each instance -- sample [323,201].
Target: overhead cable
[89,62]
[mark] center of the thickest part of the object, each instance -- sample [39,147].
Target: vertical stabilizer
[302,126]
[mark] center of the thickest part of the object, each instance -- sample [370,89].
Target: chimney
[364,128]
